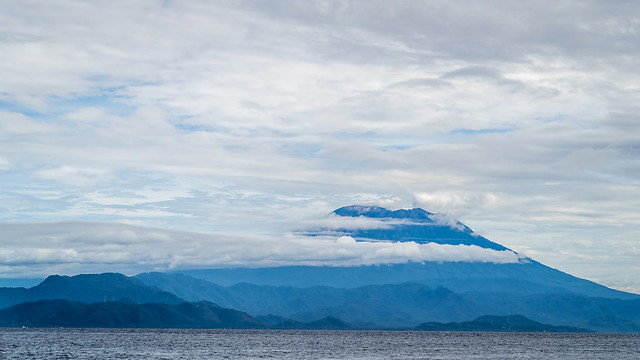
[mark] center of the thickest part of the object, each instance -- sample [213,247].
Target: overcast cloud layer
[251,117]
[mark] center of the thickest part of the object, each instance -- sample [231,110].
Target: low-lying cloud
[336,222]
[71,247]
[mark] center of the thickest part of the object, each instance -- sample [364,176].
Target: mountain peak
[422,227]
[380,212]
[99,287]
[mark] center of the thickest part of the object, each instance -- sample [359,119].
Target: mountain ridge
[406,305]
[65,313]
[395,295]
[494,323]
[205,315]
[423,227]
[399,306]
[88,288]
[380,212]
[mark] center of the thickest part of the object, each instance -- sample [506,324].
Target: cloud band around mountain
[46,248]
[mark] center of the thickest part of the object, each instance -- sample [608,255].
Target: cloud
[422,82]
[223,117]
[4,164]
[345,240]
[39,249]
[17,124]
[72,175]
[453,204]
[335,222]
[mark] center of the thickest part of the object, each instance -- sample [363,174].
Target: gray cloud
[520,119]
[39,249]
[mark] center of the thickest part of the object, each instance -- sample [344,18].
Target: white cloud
[14,124]
[447,220]
[47,247]
[250,115]
[4,164]
[335,222]
[454,205]
[345,240]
[73,175]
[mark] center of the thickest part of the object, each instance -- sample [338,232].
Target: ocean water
[40,344]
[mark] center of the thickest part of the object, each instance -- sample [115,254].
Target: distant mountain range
[206,315]
[385,307]
[404,305]
[203,314]
[428,295]
[89,288]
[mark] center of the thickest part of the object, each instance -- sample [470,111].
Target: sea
[148,344]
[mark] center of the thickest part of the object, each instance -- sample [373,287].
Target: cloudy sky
[141,135]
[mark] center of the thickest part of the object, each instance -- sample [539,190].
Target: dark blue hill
[119,314]
[406,305]
[12,296]
[391,305]
[65,313]
[88,288]
[509,323]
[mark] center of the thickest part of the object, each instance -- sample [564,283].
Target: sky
[156,135]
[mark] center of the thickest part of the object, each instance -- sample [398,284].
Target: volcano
[416,225]
[406,294]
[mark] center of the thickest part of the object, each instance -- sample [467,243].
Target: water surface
[284,344]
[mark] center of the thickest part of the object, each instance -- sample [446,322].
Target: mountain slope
[186,287]
[54,313]
[408,304]
[88,288]
[306,293]
[523,278]
[420,226]
[189,315]
[390,305]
